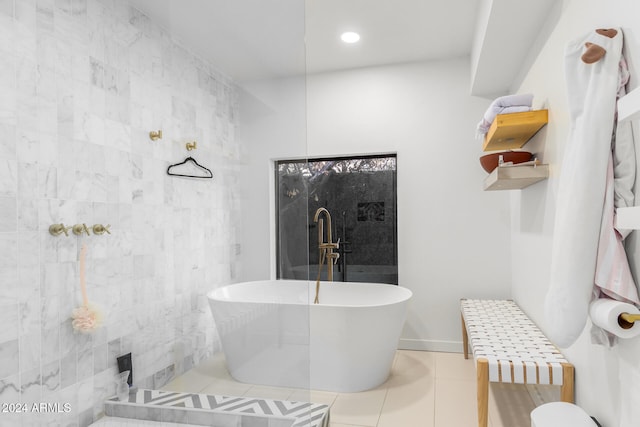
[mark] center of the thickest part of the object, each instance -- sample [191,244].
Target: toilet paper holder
[626,320]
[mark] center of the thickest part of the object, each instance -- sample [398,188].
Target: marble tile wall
[82,82]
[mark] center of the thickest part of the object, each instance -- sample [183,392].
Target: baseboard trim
[430,345]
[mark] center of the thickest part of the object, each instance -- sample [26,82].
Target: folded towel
[504,105]
[484,125]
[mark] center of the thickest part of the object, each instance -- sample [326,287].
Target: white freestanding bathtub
[272,334]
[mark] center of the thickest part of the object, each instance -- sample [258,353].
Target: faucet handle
[78,229]
[101,229]
[332,256]
[58,229]
[330,246]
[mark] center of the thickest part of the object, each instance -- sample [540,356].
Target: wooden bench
[509,348]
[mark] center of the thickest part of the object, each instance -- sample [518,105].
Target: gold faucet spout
[316,218]
[322,243]
[325,247]
[319,211]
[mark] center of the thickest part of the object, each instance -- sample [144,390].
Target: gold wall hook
[78,229]
[155,135]
[99,229]
[58,229]
[192,145]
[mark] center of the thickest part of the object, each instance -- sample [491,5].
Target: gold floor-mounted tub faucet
[325,248]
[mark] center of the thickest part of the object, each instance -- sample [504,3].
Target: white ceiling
[392,31]
[261,39]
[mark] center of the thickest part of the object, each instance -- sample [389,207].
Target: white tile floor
[424,389]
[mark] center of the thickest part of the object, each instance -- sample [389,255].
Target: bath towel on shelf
[504,105]
[585,207]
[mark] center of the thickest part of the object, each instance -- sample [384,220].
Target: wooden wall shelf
[509,131]
[515,177]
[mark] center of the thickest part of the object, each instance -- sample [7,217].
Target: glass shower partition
[269,122]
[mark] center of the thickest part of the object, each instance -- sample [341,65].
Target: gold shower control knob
[58,229]
[78,229]
[101,229]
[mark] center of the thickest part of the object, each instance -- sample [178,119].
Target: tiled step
[128,422]
[204,409]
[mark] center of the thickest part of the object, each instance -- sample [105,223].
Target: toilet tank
[560,414]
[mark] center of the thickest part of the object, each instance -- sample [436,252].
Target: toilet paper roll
[605,313]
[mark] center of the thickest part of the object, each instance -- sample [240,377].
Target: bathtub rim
[405,293]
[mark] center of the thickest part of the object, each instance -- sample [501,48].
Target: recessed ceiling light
[350,37]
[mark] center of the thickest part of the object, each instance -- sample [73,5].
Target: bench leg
[566,390]
[483,392]
[465,339]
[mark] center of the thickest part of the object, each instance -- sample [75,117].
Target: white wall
[608,381]
[453,237]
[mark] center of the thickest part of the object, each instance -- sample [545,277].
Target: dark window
[360,194]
